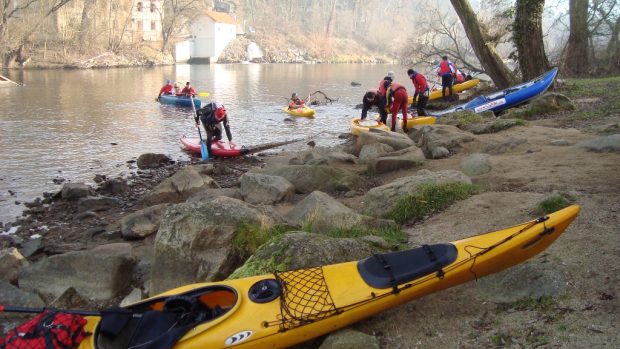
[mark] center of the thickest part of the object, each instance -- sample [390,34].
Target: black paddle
[10,309]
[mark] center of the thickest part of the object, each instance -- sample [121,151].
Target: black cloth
[378,101]
[447,80]
[212,126]
[422,101]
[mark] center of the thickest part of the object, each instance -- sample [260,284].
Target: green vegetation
[256,266]
[500,339]
[603,89]
[521,122]
[468,119]
[553,203]
[543,303]
[428,199]
[391,235]
[249,238]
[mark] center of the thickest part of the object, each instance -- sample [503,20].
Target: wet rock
[350,339]
[476,164]
[311,143]
[99,178]
[325,214]
[75,191]
[36,203]
[601,144]
[142,223]
[97,203]
[58,180]
[345,136]
[115,186]
[430,137]
[258,188]
[194,241]
[505,146]
[395,140]
[11,262]
[398,160]
[181,185]
[99,274]
[380,200]
[355,83]
[14,296]
[211,193]
[31,246]
[307,178]
[151,160]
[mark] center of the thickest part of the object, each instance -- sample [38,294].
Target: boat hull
[436,93]
[305,112]
[358,126]
[340,294]
[180,101]
[218,148]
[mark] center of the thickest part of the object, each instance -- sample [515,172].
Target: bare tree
[479,40]
[528,38]
[576,59]
[177,14]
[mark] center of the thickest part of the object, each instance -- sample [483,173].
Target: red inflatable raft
[218,148]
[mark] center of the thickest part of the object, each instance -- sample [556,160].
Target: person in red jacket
[166,89]
[446,71]
[295,102]
[459,77]
[421,90]
[396,98]
[188,90]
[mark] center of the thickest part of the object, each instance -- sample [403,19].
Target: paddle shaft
[203,150]
[10,309]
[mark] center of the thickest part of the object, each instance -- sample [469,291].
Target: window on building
[153,25]
[139,6]
[153,6]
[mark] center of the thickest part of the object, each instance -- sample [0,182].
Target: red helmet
[220,113]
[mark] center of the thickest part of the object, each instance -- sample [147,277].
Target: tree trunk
[576,57]
[88,14]
[489,59]
[330,20]
[528,37]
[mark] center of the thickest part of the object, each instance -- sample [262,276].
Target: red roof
[221,17]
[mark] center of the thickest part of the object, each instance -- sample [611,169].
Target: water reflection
[63,123]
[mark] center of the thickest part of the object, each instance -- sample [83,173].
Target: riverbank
[556,299]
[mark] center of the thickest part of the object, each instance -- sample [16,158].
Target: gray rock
[257,188]
[14,296]
[350,339]
[151,160]
[181,185]
[398,160]
[194,241]
[439,153]
[322,156]
[326,214]
[380,200]
[307,178]
[476,164]
[99,274]
[601,144]
[211,193]
[430,137]
[114,186]
[560,142]
[142,223]
[526,281]
[75,191]
[493,126]
[505,146]
[370,152]
[395,140]
[133,297]
[548,103]
[11,262]
[31,246]
[97,203]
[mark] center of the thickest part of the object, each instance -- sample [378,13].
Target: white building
[210,33]
[146,17]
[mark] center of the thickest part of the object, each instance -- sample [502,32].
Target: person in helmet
[166,89]
[295,102]
[213,116]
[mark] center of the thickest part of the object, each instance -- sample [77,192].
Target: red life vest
[444,67]
[459,77]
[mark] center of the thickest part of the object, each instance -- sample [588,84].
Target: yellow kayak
[358,126]
[283,309]
[436,93]
[422,120]
[302,111]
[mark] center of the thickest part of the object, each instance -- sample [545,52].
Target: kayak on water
[507,98]
[218,148]
[436,93]
[181,101]
[282,309]
[302,111]
[358,126]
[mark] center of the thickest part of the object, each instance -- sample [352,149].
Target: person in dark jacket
[372,97]
[213,116]
[421,90]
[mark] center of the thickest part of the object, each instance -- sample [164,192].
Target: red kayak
[218,148]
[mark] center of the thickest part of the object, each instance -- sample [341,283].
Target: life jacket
[444,67]
[381,89]
[48,330]
[459,77]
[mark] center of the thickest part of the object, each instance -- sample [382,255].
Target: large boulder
[14,296]
[395,140]
[194,242]
[370,152]
[431,137]
[99,274]
[350,339]
[324,213]
[212,193]
[322,156]
[397,160]
[601,144]
[257,188]
[380,200]
[476,164]
[11,262]
[151,160]
[114,186]
[296,250]
[181,185]
[142,223]
[549,102]
[307,178]
[75,191]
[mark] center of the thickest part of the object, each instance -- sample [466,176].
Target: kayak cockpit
[392,269]
[160,322]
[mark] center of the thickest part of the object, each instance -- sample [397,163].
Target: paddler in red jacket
[188,90]
[421,90]
[166,89]
[396,97]
[447,71]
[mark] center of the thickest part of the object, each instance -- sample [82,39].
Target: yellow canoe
[303,111]
[422,120]
[436,93]
[283,309]
[358,126]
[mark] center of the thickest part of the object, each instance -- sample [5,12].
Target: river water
[73,124]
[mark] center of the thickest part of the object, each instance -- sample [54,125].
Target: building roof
[221,17]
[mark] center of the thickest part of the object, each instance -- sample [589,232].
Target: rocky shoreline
[171,224]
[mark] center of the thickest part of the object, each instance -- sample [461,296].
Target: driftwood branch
[327,99]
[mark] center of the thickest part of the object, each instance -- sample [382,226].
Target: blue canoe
[181,101]
[507,98]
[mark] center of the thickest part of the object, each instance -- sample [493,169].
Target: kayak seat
[392,269]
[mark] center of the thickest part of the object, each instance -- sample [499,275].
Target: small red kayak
[218,148]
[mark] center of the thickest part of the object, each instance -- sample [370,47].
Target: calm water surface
[63,123]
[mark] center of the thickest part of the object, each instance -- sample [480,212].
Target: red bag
[48,330]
